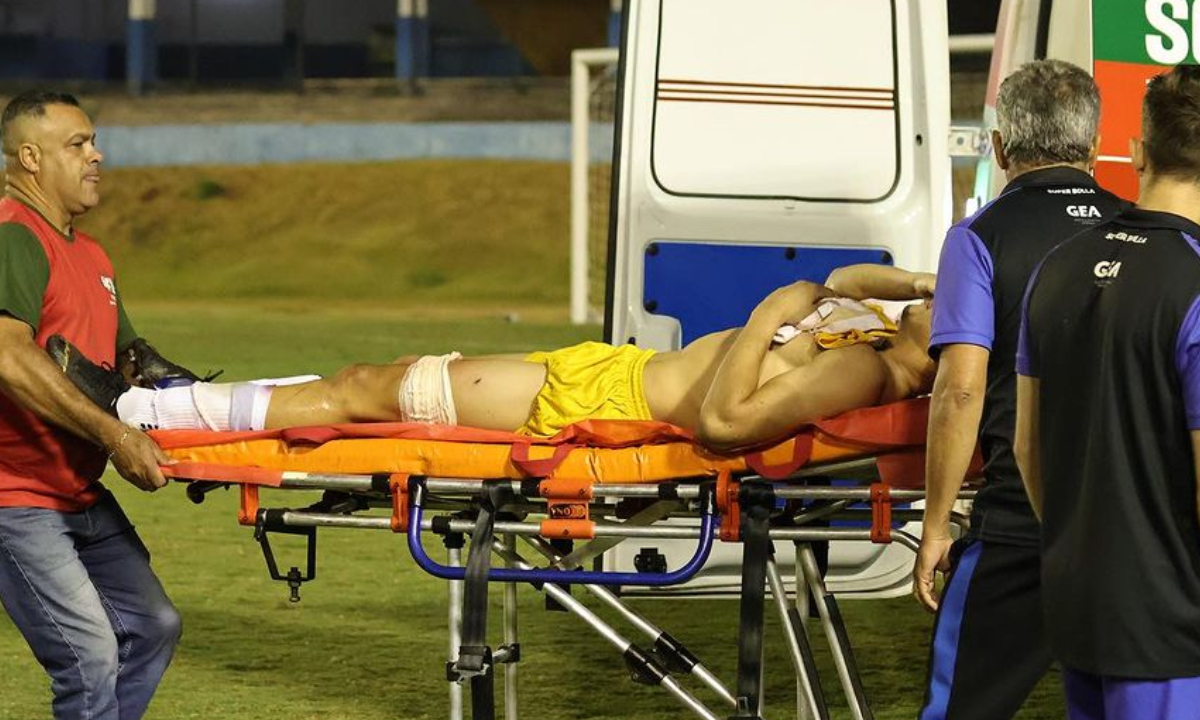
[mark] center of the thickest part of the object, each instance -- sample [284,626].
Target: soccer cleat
[146,368]
[101,384]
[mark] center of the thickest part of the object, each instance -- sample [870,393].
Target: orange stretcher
[563,478]
[600,451]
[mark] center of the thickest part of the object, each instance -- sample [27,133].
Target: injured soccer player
[808,351]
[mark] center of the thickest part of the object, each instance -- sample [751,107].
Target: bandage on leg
[425,393]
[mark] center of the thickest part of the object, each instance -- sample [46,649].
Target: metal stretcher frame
[753,499]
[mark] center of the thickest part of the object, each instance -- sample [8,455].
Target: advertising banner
[1133,41]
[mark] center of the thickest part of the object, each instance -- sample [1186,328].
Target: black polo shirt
[1112,332]
[985,265]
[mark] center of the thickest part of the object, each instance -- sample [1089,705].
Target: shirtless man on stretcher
[733,389]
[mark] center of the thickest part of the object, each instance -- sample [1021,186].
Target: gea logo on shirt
[1083,211]
[1107,269]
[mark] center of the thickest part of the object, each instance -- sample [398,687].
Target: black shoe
[150,370]
[102,385]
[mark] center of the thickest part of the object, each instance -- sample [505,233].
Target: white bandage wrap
[204,406]
[212,404]
[425,394]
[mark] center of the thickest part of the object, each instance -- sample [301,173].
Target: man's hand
[137,458]
[932,557]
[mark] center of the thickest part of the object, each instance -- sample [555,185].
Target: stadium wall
[258,143]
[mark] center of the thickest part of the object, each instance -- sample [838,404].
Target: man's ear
[1095,153]
[998,150]
[1137,153]
[30,157]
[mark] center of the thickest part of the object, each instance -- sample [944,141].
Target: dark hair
[1047,113]
[33,103]
[1171,123]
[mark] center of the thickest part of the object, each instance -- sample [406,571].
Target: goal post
[593,102]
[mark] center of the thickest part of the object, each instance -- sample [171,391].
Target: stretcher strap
[239,474]
[903,469]
[728,506]
[398,484]
[881,513]
[896,425]
[757,499]
[801,451]
[474,655]
[479,562]
[538,468]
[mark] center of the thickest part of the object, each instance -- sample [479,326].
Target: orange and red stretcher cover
[595,450]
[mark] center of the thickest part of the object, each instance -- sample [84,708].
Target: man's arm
[1196,467]
[737,412]
[30,377]
[1027,440]
[954,413]
[881,282]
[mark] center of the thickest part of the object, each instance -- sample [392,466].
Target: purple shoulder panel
[1187,356]
[963,309]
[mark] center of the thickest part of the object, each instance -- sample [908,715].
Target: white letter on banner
[1170,27]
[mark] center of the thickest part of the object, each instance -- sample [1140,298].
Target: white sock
[136,407]
[199,406]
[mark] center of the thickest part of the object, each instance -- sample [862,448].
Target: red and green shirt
[57,284]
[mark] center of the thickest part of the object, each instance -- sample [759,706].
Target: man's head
[1047,113]
[50,152]
[1170,144]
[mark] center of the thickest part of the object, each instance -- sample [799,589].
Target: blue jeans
[80,589]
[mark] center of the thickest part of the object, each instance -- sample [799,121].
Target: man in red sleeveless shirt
[74,576]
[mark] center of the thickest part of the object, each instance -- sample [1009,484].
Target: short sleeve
[964,308]
[24,274]
[1028,359]
[125,332]
[1187,362]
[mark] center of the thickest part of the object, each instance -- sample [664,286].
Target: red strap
[727,504]
[398,483]
[239,474]
[314,435]
[904,470]
[248,505]
[538,468]
[881,513]
[801,452]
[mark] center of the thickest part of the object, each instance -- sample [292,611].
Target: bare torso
[676,383]
[497,392]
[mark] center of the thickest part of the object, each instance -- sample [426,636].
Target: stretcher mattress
[595,450]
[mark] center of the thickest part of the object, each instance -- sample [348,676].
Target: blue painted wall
[254,144]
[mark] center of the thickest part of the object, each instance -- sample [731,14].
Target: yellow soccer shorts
[589,381]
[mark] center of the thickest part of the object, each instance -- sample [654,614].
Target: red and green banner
[1132,41]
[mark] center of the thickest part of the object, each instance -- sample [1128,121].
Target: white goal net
[593,117]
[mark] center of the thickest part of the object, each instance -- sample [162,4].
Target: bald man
[74,576]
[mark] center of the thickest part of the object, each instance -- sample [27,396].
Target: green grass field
[277,271]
